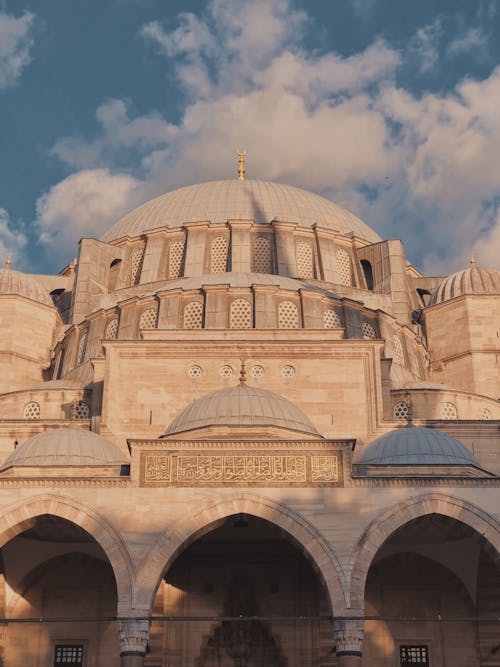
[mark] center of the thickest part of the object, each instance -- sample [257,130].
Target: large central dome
[219,201]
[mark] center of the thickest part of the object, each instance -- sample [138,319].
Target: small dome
[468,281]
[15,282]
[65,447]
[219,201]
[241,406]
[417,446]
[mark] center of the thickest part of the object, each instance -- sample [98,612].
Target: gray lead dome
[241,406]
[220,201]
[417,446]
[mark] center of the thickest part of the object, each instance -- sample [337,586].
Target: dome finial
[241,166]
[8,261]
[243,373]
[472,261]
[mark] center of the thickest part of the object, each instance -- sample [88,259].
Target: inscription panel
[279,468]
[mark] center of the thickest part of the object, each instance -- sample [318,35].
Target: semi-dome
[15,282]
[468,281]
[65,447]
[219,201]
[241,406]
[417,445]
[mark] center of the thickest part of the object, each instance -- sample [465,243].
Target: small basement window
[68,654]
[414,655]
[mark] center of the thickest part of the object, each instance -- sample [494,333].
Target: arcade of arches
[244,593]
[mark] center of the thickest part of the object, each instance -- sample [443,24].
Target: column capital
[134,636]
[348,636]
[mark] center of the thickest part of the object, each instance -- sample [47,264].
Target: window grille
[175,257]
[68,654]
[193,315]
[226,372]
[448,411]
[344,267]
[136,265]
[240,315]
[331,320]
[288,371]
[32,410]
[398,349]
[414,655]
[148,319]
[304,258]
[82,348]
[401,410]
[111,329]
[262,257]
[81,410]
[486,414]
[218,255]
[368,332]
[288,315]
[257,371]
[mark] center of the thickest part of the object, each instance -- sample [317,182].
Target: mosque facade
[243,430]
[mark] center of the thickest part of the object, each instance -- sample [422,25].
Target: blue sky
[390,107]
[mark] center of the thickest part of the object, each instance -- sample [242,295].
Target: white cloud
[84,204]
[11,241]
[420,168]
[16,40]
[473,40]
[425,45]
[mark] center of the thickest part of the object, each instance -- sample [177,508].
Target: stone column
[348,637]
[134,636]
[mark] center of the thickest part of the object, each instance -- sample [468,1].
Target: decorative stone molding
[134,636]
[348,636]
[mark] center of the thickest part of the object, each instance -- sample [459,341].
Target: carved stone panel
[237,468]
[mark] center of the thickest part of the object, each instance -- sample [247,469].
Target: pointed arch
[383,526]
[17,518]
[195,524]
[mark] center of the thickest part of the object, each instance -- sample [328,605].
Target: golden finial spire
[241,166]
[8,261]
[473,261]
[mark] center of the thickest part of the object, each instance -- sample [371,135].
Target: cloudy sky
[389,107]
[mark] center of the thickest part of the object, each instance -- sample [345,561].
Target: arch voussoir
[18,518]
[383,526]
[172,541]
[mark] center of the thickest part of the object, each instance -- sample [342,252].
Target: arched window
[398,349]
[82,348]
[304,259]
[331,320]
[344,267]
[175,259]
[262,255]
[240,315]
[401,410]
[288,315]
[368,332]
[32,410]
[111,329]
[448,411]
[114,272]
[136,265]
[80,410]
[424,295]
[149,318]
[218,255]
[193,315]
[368,273]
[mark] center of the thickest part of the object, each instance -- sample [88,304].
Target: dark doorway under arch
[247,597]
